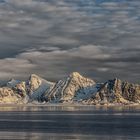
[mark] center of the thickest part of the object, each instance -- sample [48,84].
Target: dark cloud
[53,38]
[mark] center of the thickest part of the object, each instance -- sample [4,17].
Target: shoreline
[68,105]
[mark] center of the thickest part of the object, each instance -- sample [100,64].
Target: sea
[69,122]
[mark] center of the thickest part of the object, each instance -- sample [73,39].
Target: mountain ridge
[74,88]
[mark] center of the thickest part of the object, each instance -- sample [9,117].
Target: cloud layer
[52,38]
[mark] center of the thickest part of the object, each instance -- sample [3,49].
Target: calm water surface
[69,123]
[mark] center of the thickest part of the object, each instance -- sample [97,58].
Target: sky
[52,38]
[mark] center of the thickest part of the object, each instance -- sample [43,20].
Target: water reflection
[69,122]
[54,136]
[66,107]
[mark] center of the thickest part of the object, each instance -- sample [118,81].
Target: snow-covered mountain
[71,89]
[31,90]
[37,87]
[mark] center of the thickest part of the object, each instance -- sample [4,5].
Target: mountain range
[73,89]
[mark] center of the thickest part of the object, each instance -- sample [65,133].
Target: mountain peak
[12,80]
[75,74]
[34,76]
[67,89]
[34,82]
[79,78]
[116,79]
[37,86]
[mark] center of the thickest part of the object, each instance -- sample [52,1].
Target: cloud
[61,40]
[53,38]
[48,62]
[14,67]
[89,51]
[98,62]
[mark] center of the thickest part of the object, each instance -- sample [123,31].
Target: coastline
[69,104]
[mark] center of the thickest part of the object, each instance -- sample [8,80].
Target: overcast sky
[98,38]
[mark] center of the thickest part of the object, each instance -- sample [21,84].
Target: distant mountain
[72,89]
